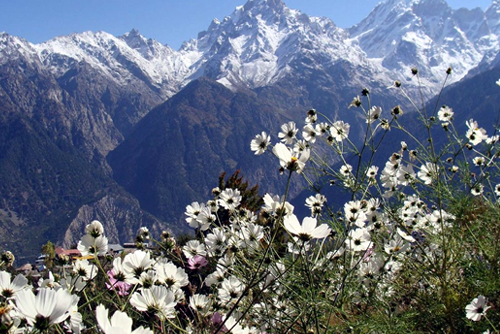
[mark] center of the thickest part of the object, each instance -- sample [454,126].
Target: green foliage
[49,250]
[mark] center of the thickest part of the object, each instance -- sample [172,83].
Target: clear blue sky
[168,21]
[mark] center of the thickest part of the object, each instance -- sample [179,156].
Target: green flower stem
[99,264]
[491,324]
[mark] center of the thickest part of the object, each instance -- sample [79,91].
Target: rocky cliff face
[121,216]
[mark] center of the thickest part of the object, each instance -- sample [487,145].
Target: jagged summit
[493,16]
[263,5]
[426,8]
[147,47]
[427,34]
[394,14]
[257,43]
[134,38]
[13,47]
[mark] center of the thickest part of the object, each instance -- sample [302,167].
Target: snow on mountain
[493,16]
[123,59]
[12,47]
[428,35]
[256,45]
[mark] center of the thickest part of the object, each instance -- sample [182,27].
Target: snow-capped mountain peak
[426,34]
[123,59]
[12,47]
[493,16]
[138,42]
[263,41]
[257,43]
[262,6]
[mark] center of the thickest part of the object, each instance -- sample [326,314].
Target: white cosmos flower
[229,199]
[492,140]
[373,114]
[216,241]
[372,172]
[170,275]
[216,277]
[308,230]
[346,170]
[354,213]
[371,206]
[134,264]
[260,143]
[274,205]
[291,160]
[322,128]
[340,130]
[194,247]
[85,269]
[89,245]
[497,190]
[192,212]
[428,172]
[234,326]
[120,323]
[157,299]
[75,319]
[405,235]
[445,114]
[230,290]
[478,161]
[95,229]
[205,218]
[71,282]
[358,240]
[9,289]
[199,303]
[251,235]
[477,190]
[395,245]
[301,145]
[288,132]
[312,116]
[48,282]
[405,175]
[475,134]
[48,307]
[315,203]
[309,133]
[476,309]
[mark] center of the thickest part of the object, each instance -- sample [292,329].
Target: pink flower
[197,262]
[216,318]
[119,285]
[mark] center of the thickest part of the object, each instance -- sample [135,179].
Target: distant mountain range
[129,131]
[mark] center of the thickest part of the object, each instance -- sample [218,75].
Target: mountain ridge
[266,35]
